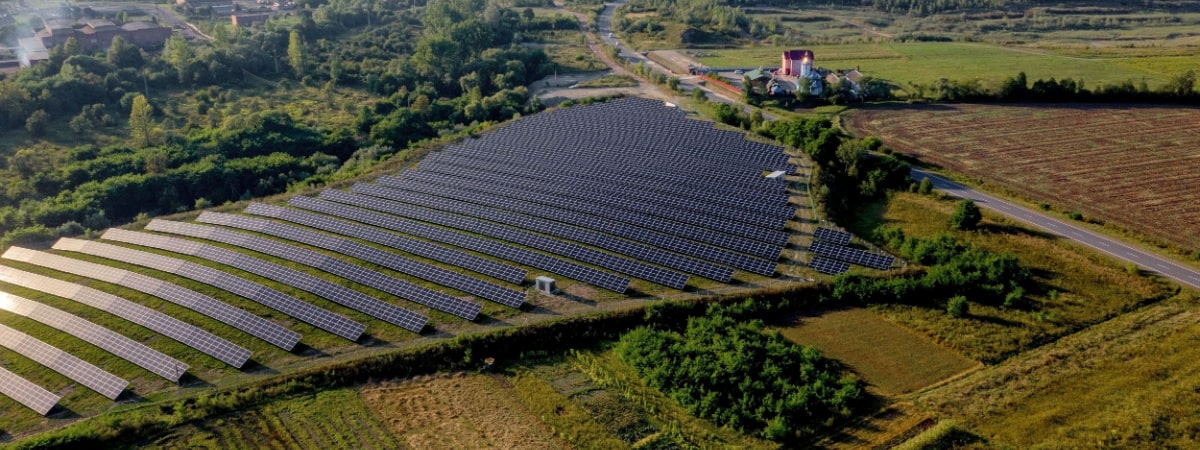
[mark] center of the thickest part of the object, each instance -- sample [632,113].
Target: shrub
[957,306]
[926,187]
[966,216]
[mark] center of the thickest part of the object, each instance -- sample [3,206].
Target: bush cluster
[733,373]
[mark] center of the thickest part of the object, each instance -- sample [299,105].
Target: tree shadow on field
[995,320]
[1015,230]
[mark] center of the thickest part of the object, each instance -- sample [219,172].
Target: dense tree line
[734,373]
[1178,89]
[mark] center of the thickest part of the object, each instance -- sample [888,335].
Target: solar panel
[498,294]
[128,349]
[828,266]
[586,236]
[81,371]
[168,326]
[558,247]
[26,393]
[394,286]
[832,236]
[272,298]
[488,247]
[344,296]
[446,255]
[187,298]
[851,255]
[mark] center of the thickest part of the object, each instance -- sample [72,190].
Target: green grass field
[902,63]
[1075,289]
[891,358]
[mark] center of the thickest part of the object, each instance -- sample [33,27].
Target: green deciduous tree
[140,121]
[297,53]
[966,216]
[37,122]
[957,306]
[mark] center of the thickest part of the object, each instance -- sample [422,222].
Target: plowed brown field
[1134,166]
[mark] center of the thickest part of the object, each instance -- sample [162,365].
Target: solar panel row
[504,296]
[391,285]
[832,236]
[851,255]
[26,393]
[456,258]
[163,324]
[344,296]
[128,349]
[81,371]
[828,266]
[254,325]
[634,250]
[504,251]
[272,298]
[531,202]
[555,246]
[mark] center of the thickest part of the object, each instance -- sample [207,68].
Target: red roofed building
[796,63]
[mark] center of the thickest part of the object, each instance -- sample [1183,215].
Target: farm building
[249,20]
[93,35]
[796,63]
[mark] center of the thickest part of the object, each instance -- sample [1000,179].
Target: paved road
[1165,267]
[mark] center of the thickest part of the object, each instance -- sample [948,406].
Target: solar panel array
[502,295]
[633,225]
[555,246]
[391,285]
[501,271]
[828,266]
[486,246]
[616,206]
[344,296]
[319,317]
[81,371]
[621,246]
[832,236]
[128,349]
[187,298]
[753,211]
[851,255]
[26,393]
[163,324]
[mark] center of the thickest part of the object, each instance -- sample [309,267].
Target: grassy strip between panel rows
[124,427]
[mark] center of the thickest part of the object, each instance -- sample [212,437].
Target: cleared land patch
[893,359]
[1130,165]
[460,411]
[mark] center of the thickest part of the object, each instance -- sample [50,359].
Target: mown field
[926,62]
[1133,166]
[892,359]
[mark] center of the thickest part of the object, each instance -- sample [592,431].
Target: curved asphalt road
[1165,267]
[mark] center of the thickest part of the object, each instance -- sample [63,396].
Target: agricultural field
[1132,166]
[926,62]
[327,419]
[1127,383]
[894,360]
